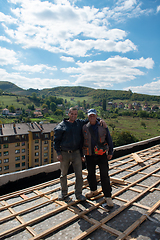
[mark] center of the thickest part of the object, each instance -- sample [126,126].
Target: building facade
[26,145]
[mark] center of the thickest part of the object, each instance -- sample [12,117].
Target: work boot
[81,197]
[91,194]
[109,202]
[62,196]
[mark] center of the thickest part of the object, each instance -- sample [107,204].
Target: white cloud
[152,88]
[7,57]
[127,9]
[24,82]
[67,59]
[35,68]
[158,8]
[7,19]
[3,38]
[105,73]
[58,27]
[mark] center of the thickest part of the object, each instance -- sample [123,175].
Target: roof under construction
[36,213]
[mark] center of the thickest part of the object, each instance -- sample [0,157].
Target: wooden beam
[137,158]
[138,222]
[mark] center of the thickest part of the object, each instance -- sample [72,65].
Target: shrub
[123,138]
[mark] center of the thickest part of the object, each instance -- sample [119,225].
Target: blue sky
[107,44]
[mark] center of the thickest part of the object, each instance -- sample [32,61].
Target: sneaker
[81,197]
[91,194]
[109,202]
[62,196]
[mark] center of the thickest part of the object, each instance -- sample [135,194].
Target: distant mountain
[79,91]
[10,87]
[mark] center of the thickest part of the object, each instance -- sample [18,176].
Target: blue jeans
[75,159]
[102,162]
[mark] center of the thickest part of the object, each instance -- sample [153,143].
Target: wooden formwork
[33,213]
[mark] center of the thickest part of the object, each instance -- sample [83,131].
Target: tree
[11,109]
[81,114]
[123,138]
[47,102]
[104,104]
[84,104]
[34,96]
[53,106]
[143,124]
[31,107]
[58,112]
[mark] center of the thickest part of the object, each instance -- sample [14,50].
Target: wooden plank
[23,196]
[120,209]
[20,219]
[138,222]
[137,158]
[66,222]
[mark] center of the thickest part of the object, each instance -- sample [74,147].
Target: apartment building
[26,145]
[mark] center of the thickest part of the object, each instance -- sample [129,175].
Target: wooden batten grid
[136,170]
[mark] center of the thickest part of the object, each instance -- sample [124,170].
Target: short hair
[73,109]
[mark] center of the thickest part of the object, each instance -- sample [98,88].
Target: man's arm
[58,133]
[110,143]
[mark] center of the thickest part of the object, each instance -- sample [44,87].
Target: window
[36,147]
[5,153]
[45,142]
[6,167]
[23,157]
[0,169]
[0,154]
[23,150]
[17,137]
[23,143]
[46,135]
[0,161]
[36,141]
[45,148]
[0,146]
[37,160]
[5,138]
[17,158]
[23,136]
[6,160]
[46,160]
[23,164]
[37,135]
[17,151]
[17,165]
[17,144]
[36,153]
[5,146]
[45,154]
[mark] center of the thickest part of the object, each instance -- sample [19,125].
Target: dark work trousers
[102,162]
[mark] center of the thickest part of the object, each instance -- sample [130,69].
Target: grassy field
[140,128]
[76,99]
[22,102]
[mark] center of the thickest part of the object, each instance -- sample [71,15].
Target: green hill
[80,92]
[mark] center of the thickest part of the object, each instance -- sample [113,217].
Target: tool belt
[101,148]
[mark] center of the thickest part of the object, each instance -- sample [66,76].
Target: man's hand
[59,158]
[109,157]
[103,123]
[83,159]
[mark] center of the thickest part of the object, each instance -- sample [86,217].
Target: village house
[5,111]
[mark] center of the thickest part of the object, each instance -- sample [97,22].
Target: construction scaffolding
[36,213]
